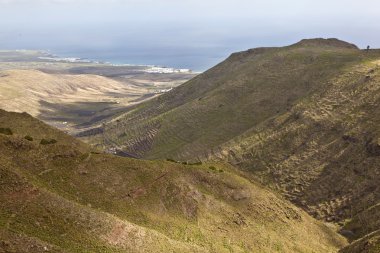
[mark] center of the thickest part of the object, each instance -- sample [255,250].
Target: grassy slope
[224,102]
[368,244]
[64,197]
[324,153]
[303,118]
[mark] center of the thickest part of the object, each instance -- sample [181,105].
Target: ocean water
[196,60]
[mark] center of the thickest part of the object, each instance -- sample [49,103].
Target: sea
[196,60]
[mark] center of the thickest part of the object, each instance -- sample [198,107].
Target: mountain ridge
[238,83]
[298,118]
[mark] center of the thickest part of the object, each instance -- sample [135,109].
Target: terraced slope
[324,154]
[234,96]
[59,195]
[303,120]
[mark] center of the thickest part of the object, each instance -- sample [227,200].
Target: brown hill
[240,93]
[59,195]
[303,119]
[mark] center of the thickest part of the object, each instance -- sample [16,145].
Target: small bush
[215,169]
[6,131]
[28,137]
[184,163]
[196,163]
[47,142]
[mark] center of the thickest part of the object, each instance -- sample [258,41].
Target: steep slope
[303,119]
[59,195]
[368,244]
[323,154]
[224,102]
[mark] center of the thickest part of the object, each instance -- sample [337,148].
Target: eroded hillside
[302,119]
[59,195]
[323,154]
[245,90]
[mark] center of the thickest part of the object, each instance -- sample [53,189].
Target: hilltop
[302,119]
[58,194]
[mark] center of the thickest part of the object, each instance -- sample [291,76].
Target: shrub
[196,163]
[28,137]
[47,142]
[215,169]
[6,131]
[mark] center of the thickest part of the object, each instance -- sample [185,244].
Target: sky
[181,33]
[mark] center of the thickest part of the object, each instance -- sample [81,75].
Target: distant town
[165,70]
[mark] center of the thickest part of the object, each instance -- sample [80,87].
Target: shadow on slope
[65,196]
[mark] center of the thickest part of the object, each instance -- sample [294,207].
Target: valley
[67,197]
[302,119]
[275,149]
[74,94]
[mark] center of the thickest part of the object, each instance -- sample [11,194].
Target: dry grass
[66,197]
[303,119]
[22,90]
[227,100]
[70,101]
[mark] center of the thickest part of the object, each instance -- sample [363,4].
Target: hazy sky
[188,33]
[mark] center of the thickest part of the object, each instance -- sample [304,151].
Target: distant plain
[81,92]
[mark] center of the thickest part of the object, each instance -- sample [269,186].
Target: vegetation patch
[48,141]
[68,198]
[213,168]
[6,131]
[195,163]
[171,160]
[28,137]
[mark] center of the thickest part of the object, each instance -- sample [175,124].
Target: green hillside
[59,195]
[245,90]
[303,120]
[323,154]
